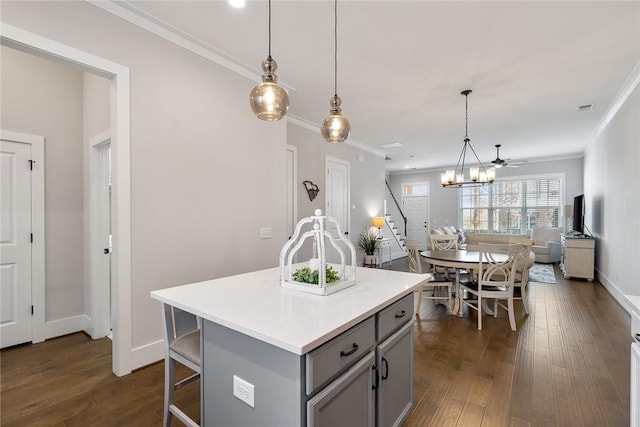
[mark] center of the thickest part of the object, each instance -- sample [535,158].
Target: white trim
[37,228]
[148,353]
[121,191]
[627,89]
[140,18]
[65,326]
[99,269]
[316,129]
[614,291]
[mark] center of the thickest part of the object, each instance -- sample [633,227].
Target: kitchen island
[339,359]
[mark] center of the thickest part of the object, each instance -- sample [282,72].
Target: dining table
[458,259]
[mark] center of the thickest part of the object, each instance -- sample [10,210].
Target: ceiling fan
[499,163]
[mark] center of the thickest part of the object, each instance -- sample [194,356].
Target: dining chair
[496,278]
[444,242]
[436,285]
[521,281]
[182,344]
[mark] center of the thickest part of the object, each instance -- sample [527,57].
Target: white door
[416,209]
[15,243]
[337,199]
[292,189]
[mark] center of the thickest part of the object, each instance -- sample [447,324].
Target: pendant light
[335,128]
[269,101]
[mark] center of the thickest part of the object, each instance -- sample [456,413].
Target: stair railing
[398,206]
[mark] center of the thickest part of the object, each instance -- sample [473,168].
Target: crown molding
[141,19]
[625,92]
[298,121]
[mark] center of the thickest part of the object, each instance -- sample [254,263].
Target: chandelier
[478,175]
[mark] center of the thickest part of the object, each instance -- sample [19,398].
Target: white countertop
[634,301]
[256,305]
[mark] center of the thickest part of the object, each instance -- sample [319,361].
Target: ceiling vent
[586,107]
[391,145]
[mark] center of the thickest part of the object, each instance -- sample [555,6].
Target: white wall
[45,98]
[444,201]
[612,182]
[205,173]
[367,178]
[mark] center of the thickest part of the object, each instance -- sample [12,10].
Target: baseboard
[147,354]
[615,292]
[68,325]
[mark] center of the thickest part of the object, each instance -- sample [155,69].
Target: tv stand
[577,256]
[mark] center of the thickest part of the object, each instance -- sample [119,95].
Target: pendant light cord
[335,48]
[269,28]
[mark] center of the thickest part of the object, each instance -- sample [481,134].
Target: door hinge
[31,237]
[31,162]
[32,310]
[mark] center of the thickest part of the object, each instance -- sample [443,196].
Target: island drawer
[394,316]
[330,359]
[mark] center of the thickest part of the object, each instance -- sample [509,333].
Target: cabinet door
[348,401]
[635,385]
[394,361]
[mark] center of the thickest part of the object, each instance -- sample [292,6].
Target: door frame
[123,358]
[294,186]
[99,224]
[330,159]
[37,228]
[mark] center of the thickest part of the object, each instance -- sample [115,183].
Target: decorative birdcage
[317,276]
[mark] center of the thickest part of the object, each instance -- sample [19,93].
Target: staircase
[391,231]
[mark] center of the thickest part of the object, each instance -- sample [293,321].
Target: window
[512,206]
[416,189]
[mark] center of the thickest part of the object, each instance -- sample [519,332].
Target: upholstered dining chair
[182,344]
[439,285]
[496,278]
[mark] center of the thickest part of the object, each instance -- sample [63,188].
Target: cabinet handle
[374,370]
[401,315]
[350,352]
[385,369]
[637,337]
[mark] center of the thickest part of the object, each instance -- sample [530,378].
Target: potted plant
[367,242]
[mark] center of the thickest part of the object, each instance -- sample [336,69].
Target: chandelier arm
[479,162]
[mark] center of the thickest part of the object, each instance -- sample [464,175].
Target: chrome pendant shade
[336,127]
[269,101]
[478,175]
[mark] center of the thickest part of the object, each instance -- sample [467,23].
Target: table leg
[457,304]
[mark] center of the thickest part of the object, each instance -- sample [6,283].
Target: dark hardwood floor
[567,365]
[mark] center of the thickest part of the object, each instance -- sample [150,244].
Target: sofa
[546,244]
[474,239]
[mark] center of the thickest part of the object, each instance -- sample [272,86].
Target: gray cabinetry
[347,401]
[394,359]
[360,378]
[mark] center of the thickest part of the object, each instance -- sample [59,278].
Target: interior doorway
[337,200]
[121,198]
[100,235]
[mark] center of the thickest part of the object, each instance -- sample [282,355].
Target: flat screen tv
[578,214]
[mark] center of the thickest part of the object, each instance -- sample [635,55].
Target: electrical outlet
[265,233]
[243,390]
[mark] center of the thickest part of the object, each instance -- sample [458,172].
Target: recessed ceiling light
[238,4]
[391,145]
[585,107]
[407,167]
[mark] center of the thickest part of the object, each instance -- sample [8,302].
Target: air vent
[391,145]
[586,107]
